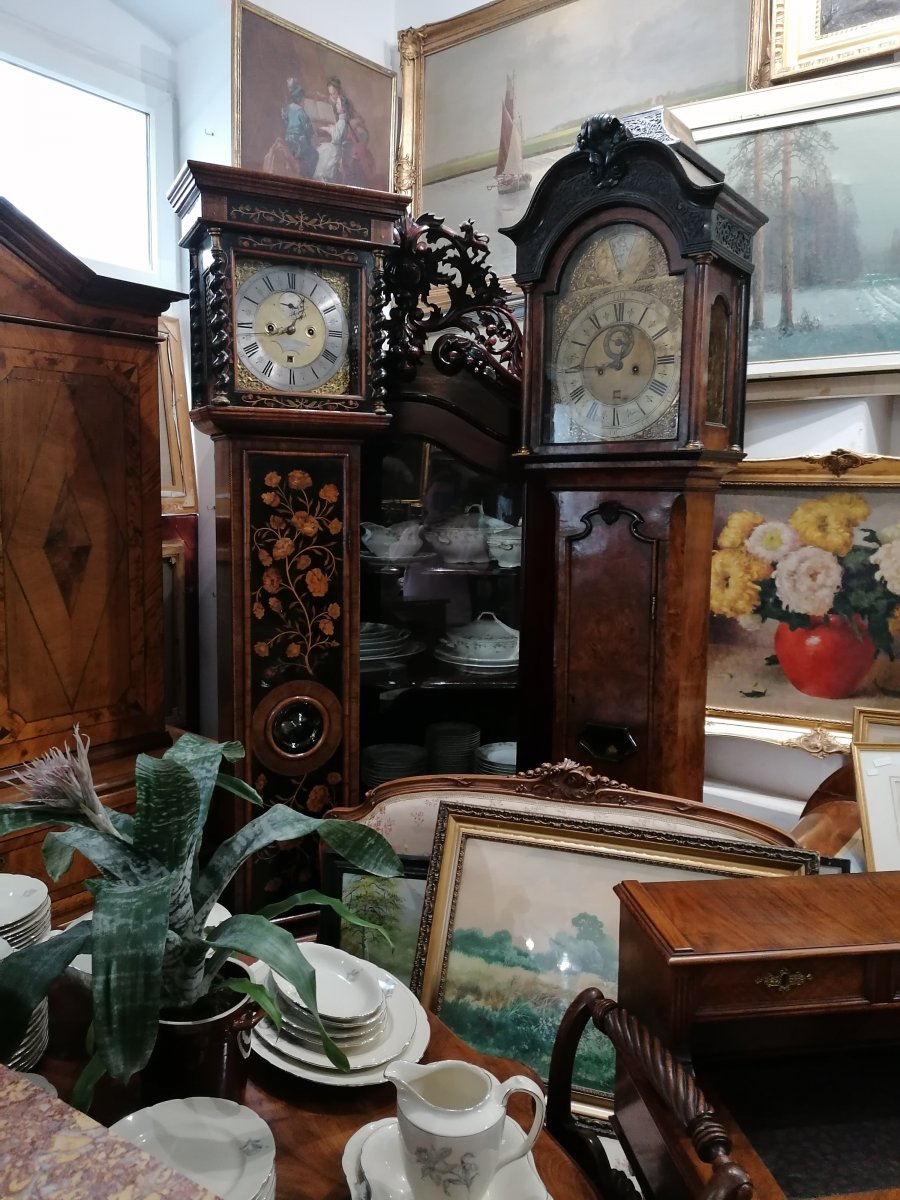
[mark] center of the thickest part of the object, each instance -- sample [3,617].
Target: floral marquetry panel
[79,502]
[298,624]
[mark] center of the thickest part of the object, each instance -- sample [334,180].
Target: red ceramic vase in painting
[829,658]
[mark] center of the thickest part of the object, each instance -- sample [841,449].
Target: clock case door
[618,533]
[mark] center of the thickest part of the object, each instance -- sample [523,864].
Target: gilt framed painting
[805,591]
[500,960]
[795,37]
[493,97]
[304,107]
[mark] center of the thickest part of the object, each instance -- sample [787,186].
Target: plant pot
[204,1056]
[829,658]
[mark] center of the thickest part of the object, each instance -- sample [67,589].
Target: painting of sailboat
[510,175]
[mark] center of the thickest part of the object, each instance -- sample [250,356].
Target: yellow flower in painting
[326,626]
[329,492]
[258,611]
[335,526]
[264,557]
[854,507]
[319,797]
[293,650]
[317,582]
[271,579]
[275,604]
[261,649]
[894,622]
[298,480]
[283,548]
[305,523]
[272,479]
[824,524]
[334,611]
[738,528]
[303,562]
[734,591]
[270,498]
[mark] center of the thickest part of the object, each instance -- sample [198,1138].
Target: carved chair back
[642,1056]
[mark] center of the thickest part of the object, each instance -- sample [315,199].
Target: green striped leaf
[323,901]
[117,859]
[26,976]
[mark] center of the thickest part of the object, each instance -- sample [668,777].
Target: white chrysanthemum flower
[890,533]
[59,780]
[807,580]
[772,540]
[887,559]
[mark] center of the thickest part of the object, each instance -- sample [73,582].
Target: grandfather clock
[287,372]
[635,259]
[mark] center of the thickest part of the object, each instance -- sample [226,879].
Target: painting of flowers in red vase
[805,590]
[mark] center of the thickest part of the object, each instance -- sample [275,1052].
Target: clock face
[614,359]
[291,328]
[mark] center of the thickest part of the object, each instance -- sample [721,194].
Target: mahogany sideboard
[784,996]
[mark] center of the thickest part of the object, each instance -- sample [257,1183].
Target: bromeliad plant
[150,946]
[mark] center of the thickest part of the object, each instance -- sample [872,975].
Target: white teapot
[451,1117]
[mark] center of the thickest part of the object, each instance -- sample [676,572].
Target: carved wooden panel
[80,575]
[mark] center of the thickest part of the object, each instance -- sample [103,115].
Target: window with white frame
[77,164]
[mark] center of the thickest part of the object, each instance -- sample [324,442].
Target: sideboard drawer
[781,984]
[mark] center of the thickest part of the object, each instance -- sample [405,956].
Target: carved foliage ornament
[479,332]
[601,136]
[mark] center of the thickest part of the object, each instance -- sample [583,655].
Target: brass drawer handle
[784,980]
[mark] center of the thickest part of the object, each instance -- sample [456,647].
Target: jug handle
[521,1083]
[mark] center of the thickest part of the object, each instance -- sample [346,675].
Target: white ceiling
[174,20]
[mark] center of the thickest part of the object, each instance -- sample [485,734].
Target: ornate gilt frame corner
[875,725]
[414,45]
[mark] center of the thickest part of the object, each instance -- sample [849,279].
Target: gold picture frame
[790,38]
[526,62]
[178,473]
[289,119]
[876,768]
[529,951]
[756,673]
[875,725]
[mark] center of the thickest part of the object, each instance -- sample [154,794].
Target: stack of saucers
[451,746]
[496,758]
[380,644]
[367,1012]
[223,1146]
[391,760]
[24,920]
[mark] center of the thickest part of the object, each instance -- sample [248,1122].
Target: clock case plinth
[615,646]
[287,472]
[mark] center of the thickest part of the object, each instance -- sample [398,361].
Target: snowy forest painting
[827,264]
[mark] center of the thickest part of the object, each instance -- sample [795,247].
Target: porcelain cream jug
[451,1116]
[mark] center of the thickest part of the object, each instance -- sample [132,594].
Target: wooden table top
[312,1123]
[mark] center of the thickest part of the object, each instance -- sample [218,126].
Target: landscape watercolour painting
[501,107]
[515,955]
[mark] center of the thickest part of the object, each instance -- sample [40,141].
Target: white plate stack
[391,760]
[380,644]
[496,758]
[223,1146]
[451,747]
[367,1012]
[25,920]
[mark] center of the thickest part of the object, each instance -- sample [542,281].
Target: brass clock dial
[615,352]
[291,328]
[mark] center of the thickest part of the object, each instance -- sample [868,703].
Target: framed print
[499,960]
[794,37]
[881,725]
[394,904]
[493,97]
[826,285]
[304,107]
[805,591]
[877,772]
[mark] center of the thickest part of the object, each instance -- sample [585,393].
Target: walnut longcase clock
[635,258]
[287,373]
